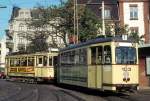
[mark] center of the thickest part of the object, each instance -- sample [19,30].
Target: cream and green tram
[103,64]
[31,67]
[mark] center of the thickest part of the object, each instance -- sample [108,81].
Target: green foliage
[38,44]
[88,25]
[136,37]
[63,15]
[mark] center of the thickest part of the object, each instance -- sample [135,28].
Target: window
[133,12]
[107,54]
[93,55]
[83,56]
[50,61]
[31,61]
[23,61]
[96,55]
[45,61]
[125,55]
[134,29]
[21,27]
[40,60]
[21,14]
[99,57]
[26,14]
[107,14]
[147,65]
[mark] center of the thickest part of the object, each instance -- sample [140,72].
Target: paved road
[12,91]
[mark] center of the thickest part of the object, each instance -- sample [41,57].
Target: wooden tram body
[104,64]
[31,67]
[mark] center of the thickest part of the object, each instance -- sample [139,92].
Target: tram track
[120,97]
[76,98]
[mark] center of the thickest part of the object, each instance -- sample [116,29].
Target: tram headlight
[124,79]
[128,79]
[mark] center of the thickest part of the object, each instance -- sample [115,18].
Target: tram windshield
[126,55]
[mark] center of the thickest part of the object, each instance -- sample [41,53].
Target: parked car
[2,75]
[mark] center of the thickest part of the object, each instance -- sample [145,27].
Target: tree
[88,25]
[38,44]
[61,19]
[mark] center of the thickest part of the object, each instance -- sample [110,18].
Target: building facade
[19,29]
[135,14]
[3,52]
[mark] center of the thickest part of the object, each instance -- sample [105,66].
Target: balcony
[9,43]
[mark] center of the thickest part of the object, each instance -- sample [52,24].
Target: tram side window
[17,62]
[107,55]
[11,62]
[72,57]
[100,52]
[77,56]
[23,62]
[31,62]
[93,55]
[50,61]
[40,60]
[45,61]
[82,56]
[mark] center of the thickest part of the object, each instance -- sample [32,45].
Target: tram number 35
[126,69]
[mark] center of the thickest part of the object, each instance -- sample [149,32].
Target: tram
[31,67]
[102,64]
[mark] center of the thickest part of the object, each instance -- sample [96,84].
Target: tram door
[96,67]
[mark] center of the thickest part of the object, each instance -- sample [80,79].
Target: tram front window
[125,55]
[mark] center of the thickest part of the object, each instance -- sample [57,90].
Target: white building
[135,14]
[3,52]
[18,29]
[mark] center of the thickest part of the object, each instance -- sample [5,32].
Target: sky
[5,13]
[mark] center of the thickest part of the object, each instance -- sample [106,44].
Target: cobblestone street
[11,91]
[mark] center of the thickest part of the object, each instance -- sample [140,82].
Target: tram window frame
[50,61]
[17,62]
[11,62]
[99,55]
[83,56]
[93,55]
[23,61]
[107,55]
[31,61]
[72,57]
[45,60]
[77,57]
[40,60]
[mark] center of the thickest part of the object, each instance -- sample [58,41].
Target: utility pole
[103,19]
[77,22]
[74,22]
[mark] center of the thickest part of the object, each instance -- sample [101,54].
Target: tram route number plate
[126,69]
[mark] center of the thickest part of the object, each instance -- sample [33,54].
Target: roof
[98,40]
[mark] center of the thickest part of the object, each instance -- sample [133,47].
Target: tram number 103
[126,69]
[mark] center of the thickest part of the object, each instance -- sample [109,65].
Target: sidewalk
[144,88]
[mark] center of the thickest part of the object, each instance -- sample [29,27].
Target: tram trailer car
[31,67]
[102,64]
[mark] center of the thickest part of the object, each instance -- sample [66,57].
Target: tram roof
[98,40]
